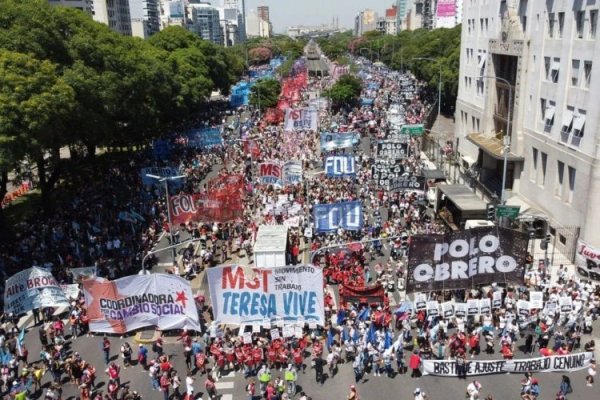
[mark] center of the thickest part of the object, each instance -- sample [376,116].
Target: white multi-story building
[539,60]
[145,17]
[114,13]
[256,26]
[365,21]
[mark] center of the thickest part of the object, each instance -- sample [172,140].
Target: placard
[407,182]
[485,306]
[433,308]
[472,307]
[536,300]
[255,328]
[288,331]
[247,337]
[275,334]
[298,332]
[523,308]
[566,304]
[497,299]
[447,309]
[460,310]
[420,301]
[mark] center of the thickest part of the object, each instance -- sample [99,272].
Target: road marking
[162,234]
[226,397]
[231,375]
[224,385]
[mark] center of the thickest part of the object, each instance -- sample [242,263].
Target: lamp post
[506,139]
[166,180]
[439,83]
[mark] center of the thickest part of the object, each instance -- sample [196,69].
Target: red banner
[251,147]
[356,294]
[184,208]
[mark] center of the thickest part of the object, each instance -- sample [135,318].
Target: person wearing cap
[353,395]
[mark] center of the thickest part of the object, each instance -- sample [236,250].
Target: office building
[537,59]
[263,12]
[204,20]
[145,17]
[365,21]
[114,13]
[256,26]
[391,20]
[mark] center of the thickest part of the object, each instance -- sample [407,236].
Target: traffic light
[544,243]
[491,212]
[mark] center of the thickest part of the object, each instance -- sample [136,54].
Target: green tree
[265,93]
[345,92]
[34,103]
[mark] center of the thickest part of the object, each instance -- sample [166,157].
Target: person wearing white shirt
[189,384]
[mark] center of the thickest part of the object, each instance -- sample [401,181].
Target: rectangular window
[481,25]
[549,116]
[560,171]
[578,127]
[547,67]
[542,109]
[587,74]
[534,160]
[550,25]
[555,69]
[477,122]
[580,23]
[572,173]
[486,25]
[562,239]
[561,24]
[567,124]
[575,72]
[473,122]
[593,23]
[544,163]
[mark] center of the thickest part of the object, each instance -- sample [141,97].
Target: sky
[285,13]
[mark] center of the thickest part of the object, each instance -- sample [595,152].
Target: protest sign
[393,150]
[71,291]
[301,119]
[433,308]
[383,171]
[32,288]
[536,300]
[204,138]
[472,307]
[292,172]
[485,306]
[565,363]
[523,308]
[407,182]
[447,309]
[466,258]
[133,302]
[347,215]
[284,294]
[340,140]
[420,301]
[566,304]
[340,166]
[497,299]
[460,310]
[247,337]
[270,173]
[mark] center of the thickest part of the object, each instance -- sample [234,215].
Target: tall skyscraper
[204,20]
[115,14]
[83,5]
[145,17]
[263,12]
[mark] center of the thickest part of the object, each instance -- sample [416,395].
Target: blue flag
[363,315]
[388,340]
[355,336]
[329,339]
[371,338]
[341,316]
[345,334]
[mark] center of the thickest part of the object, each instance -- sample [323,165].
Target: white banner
[243,295]
[292,172]
[133,302]
[566,363]
[301,119]
[32,288]
[71,291]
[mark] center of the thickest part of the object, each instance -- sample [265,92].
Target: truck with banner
[136,301]
[254,296]
[466,259]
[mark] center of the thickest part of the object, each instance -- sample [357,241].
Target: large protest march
[315,250]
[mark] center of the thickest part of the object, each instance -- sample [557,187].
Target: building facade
[365,21]
[391,20]
[534,102]
[204,20]
[114,13]
[256,26]
[83,5]
[145,17]
[263,12]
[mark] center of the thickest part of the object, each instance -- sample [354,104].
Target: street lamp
[439,84]
[166,180]
[506,139]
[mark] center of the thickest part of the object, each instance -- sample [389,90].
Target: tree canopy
[265,93]
[346,91]
[66,80]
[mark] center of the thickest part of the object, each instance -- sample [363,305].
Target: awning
[463,197]
[579,122]
[567,118]
[492,147]
[434,174]
[549,114]
[468,160]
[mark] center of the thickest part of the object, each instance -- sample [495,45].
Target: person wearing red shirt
[546,352]
[474,344]
[562,350]
[297,355]
[165,382]
[201,362]
[272,356]
[211,388]
[506,352]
